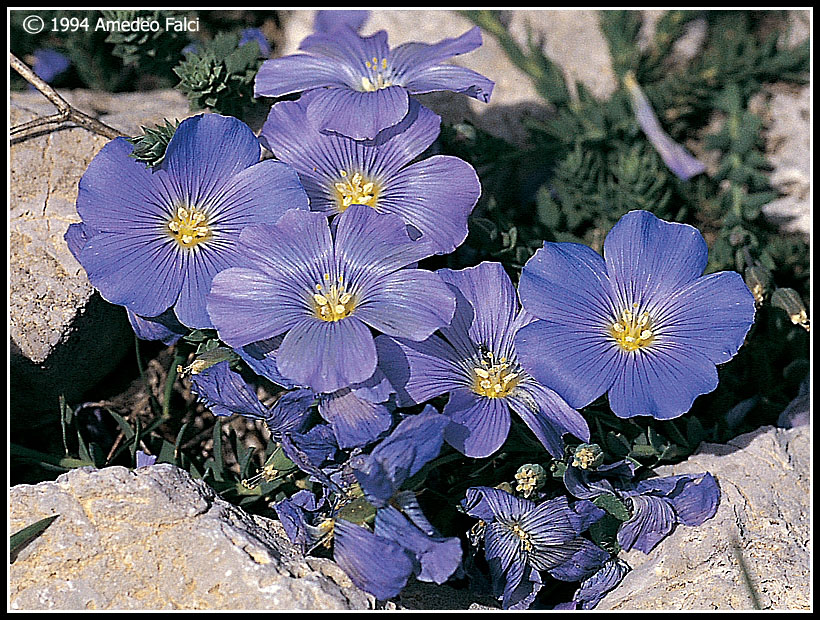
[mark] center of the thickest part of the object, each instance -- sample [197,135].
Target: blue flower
[522,538]
[434,195]
[326,291]
[657,505]
[359,86]
[254,34]
[594,588]
[225,392]
[155,240]
[642,323]
[49,63]
[476,363]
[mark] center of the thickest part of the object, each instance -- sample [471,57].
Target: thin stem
[179,358]
[65,112]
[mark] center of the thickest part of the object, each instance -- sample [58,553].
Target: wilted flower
[676,158]
[361,86]
[476,363]
[522,538]
[435,195]
[642,323]
[325,291]
[154,240]
[594,588]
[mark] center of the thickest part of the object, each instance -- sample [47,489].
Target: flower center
[526,539]
[355,190]
[331,302]
[378,75]
[494,379]
[633,329]
[189,226]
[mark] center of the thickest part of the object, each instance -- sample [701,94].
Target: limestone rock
[762,527]
[64,337]
[155,538]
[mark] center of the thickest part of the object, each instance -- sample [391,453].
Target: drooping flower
[435,195]
[522,538]
[156,239]
[360,86]
[325,291]
[225,392]
[476,363]
[641,323]
[657,505]
[676,157]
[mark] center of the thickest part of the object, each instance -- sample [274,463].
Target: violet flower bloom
[476,363]
[522,538]
[435,196]
[642,323]
[657,505]
[328,21]
[361,86]
[225,392]
[676,158]
[254,34]
[156,239]
[325,291]
[48,64]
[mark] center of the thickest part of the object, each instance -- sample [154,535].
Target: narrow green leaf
[21,538]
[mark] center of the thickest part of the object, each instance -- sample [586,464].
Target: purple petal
[438,557]
[49,63]
[550,524]
[479,425]
[240,306]
[327,355]
[205,152]
[145,460]
[355,114]
[449,77]
[261,357]
[122,267]
[675,156]
[648,259]
[594,588]
[548,416]
[355,422]
[328,21]
[374,564]
[76,236]
[710,316]
[419,371]
[165,327]
[224,392]
[410,303]
[579,364]
[587,559]
[410,56]
[662,382]
[290,412]
[652,520]
[696,498]
[119,194]
[199,267]
[297,73]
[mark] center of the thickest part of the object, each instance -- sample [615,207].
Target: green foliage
[153,51]
[220,75]
[149,148]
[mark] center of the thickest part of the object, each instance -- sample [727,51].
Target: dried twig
[65,112]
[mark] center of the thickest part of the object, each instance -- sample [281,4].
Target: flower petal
[479,425]
[652,520]
[327,355]
[296,73]
[449,77]
[355,114]
[355,421]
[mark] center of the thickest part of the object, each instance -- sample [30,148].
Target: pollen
[632,330]
[355,189]
[189,226]
[494,378]
[334,302]
[378,75]
[526,539]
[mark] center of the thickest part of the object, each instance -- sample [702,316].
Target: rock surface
[762,527]
[64,337]
[154,538]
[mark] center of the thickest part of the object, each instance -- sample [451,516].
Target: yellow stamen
[334,304]
[632,330]
[355,189]
[494,380]
[189,226]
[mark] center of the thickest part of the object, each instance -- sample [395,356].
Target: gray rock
[64,337]
[155,538]
[754,553]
